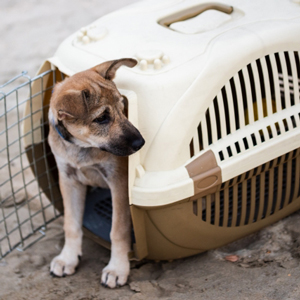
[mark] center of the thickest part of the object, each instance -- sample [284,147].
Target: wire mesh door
[25,209]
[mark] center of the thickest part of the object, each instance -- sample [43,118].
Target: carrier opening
[97,220]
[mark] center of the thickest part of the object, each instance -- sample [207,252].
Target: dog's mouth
[118,152]
[125,150]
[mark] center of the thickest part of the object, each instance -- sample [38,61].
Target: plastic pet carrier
[216,97]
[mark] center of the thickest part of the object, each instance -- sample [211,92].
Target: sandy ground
[268,262]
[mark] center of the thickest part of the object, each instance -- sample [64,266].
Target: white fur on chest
[91,175]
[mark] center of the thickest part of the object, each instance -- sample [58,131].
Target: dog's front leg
[117,270]
[73,193]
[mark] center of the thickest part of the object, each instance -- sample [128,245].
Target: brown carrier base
[240,207]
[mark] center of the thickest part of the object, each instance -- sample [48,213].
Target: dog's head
[88,110]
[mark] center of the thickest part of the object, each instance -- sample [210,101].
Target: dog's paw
[115,275]
[63,265]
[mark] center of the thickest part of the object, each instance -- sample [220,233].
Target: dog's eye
[104,119]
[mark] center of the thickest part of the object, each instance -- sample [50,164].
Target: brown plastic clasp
[205,173]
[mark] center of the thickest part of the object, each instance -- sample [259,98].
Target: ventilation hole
[278,160]
[221,208]
[221,155]
[246,143]
[239,178]
[204,209]
[247,175]
[278,131]
[229,151]
[266,194]
[192,151]
[254,171]
[292,96]
[208,126]
[286,127]
[262,136]
[281,83]
[271,81]
[283,193]
[271,163]
[212,213]
[294,153]
[293,121]
[248,203]
[297,60]
[293,181]
[262,87]
[269,129]
[244,97]
[253,92]
[290,74]
[218,118]
[239,204]
[237,147]
[226,110]
[254,142]
[212,209]
[230,206]
[288,63]
[195,207]
[275,191]
[235,104]
[104,208]
[286,157]
[255,111]
[257,196]
[200,137]
[278,64]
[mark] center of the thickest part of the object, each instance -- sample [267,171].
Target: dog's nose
[138,144]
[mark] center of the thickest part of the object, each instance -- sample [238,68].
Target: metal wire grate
[25,210]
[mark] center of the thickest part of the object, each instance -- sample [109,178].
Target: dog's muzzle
[126,144]
[138,144]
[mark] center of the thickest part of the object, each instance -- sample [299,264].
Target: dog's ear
[62,115]
[69,105]
[108,69]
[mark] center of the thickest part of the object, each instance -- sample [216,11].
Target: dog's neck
[60,128]
[63,132]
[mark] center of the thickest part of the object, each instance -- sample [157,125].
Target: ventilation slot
[256,194]
[104,208]
[266,86]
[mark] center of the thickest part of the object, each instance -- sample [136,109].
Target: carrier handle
[193,12]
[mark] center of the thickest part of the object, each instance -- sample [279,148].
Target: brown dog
[91,138]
